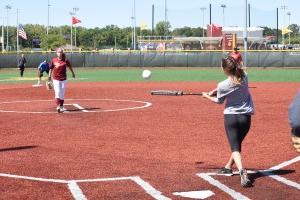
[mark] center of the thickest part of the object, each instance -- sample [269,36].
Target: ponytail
[231,68]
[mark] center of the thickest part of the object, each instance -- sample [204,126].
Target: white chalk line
[269,173]
[224,188]
[146,104]
[82,109]
[77,192]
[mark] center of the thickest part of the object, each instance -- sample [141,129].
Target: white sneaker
[62,109]
[58,109]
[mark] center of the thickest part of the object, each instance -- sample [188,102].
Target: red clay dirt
[165,144]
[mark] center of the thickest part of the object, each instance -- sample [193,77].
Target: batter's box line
[77,192]
[269,173]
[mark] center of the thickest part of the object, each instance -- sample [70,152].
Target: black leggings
[237,127]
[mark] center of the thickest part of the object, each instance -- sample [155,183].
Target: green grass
[159,74]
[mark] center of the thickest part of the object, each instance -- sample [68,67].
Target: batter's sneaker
[225,171]
[245,182]
[62,109]
[58,109]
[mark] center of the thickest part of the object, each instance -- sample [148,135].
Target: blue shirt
[237,96]
[44,66]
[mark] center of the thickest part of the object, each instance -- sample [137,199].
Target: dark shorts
[296,131]
[237,126]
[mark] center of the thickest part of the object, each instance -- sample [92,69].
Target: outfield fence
[156,59]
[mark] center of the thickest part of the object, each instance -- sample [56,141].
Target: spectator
[21,64]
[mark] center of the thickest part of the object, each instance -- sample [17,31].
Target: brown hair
[231,68]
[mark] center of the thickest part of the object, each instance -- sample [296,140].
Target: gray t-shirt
[238,97]
[294,112]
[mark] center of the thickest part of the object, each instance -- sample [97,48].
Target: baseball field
[117,141]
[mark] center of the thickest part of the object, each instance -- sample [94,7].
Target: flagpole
[74,11]
[71,13]
[71,37]
[3,36]
[18,31]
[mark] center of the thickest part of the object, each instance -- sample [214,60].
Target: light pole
[283,7]
[48,17]
[74,11]
[203,9]
[223,6]
[245,35]
[71,13]
[134,25]
[48,14]
[7,7]
[289,14]
[166,19]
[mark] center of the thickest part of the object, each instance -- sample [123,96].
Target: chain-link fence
[157,59]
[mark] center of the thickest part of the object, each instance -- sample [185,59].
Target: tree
[52,42]
[162,28]
[269,32]
[294,28]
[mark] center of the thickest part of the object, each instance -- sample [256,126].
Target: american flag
[22,32]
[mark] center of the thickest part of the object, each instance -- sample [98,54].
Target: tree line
[111,36]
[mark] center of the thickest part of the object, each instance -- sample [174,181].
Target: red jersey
[237,57]
[59,68]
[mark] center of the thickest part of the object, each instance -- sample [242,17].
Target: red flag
[75,20]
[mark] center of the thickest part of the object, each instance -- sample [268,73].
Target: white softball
[146,74]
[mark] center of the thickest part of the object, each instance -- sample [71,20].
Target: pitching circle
[144,104]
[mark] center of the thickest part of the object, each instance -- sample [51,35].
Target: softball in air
[146,74]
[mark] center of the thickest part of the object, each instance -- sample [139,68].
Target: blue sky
[99,13]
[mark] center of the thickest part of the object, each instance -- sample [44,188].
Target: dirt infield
[122,143]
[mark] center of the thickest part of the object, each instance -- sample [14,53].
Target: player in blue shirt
[43,67]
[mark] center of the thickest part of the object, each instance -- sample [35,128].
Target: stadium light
[7,7]
[289,14]
[203,9]
[283,7]
[223,6]
[134,25]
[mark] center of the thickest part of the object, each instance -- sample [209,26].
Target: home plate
[203,194]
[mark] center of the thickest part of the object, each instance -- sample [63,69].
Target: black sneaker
[225,171]
[245,182]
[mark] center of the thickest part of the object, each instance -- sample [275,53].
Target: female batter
[58,71]
[237,113]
